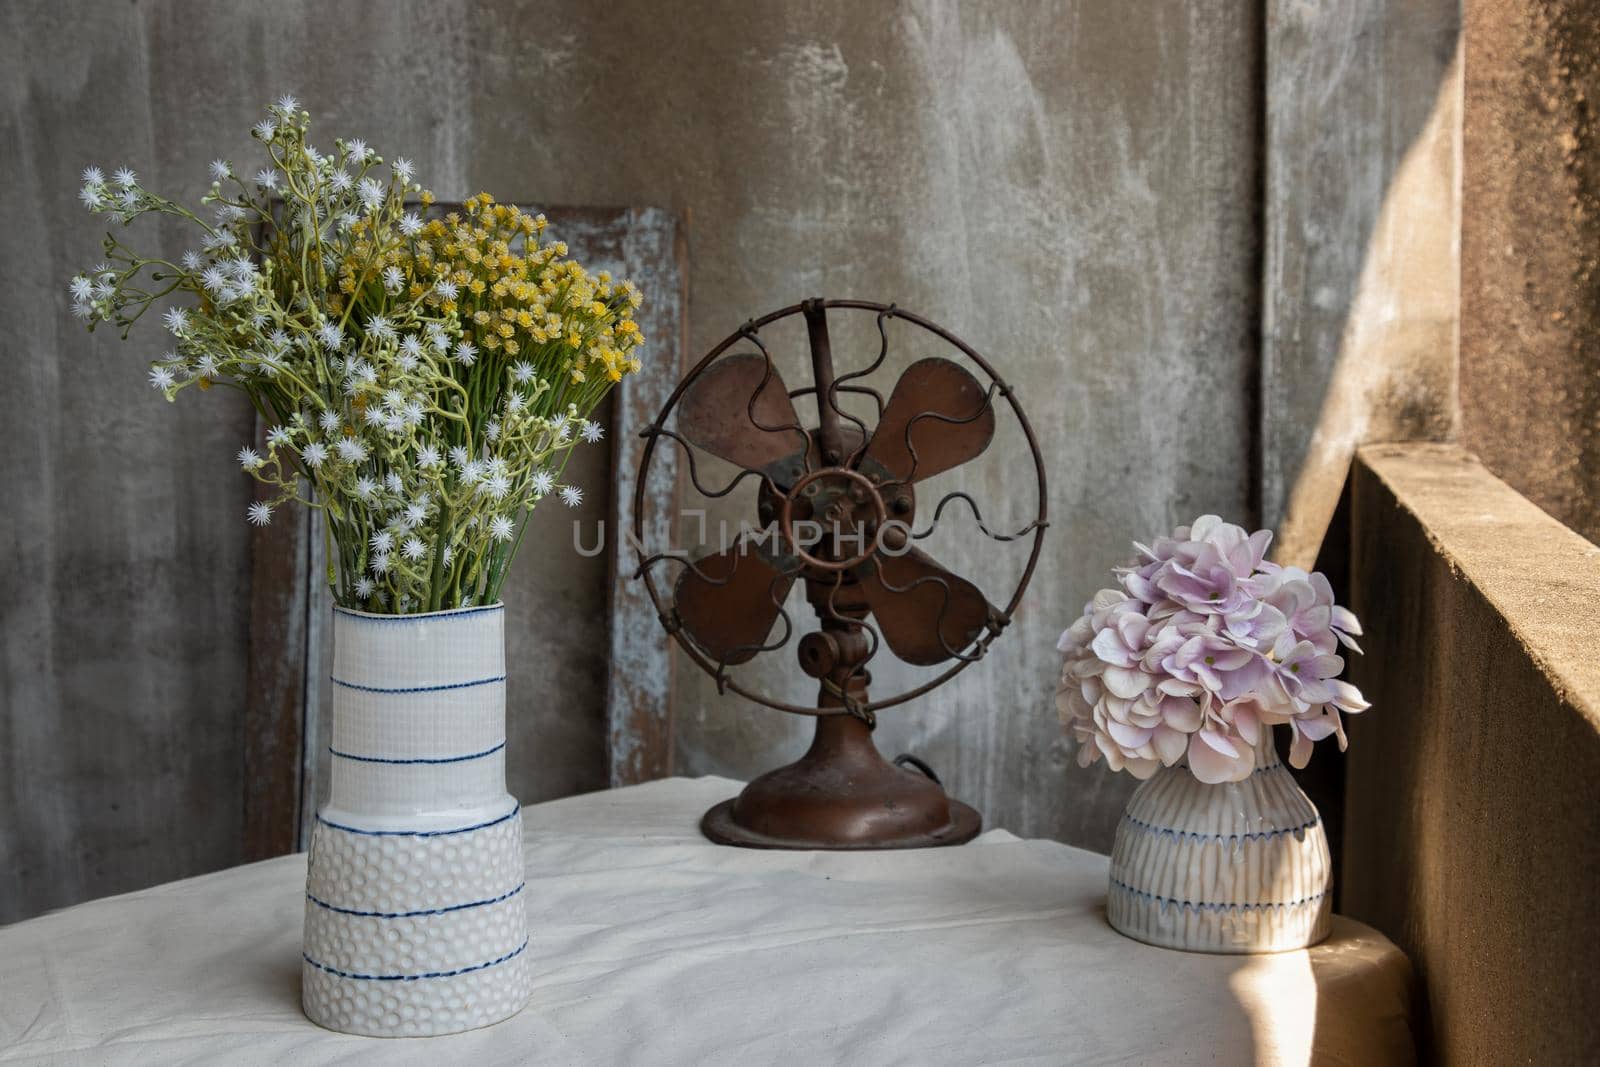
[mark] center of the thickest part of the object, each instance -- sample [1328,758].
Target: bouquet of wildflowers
[425,377]
[1203,648]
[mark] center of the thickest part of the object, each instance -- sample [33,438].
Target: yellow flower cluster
[512,293]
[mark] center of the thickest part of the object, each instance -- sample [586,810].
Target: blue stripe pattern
[419,688]
[421,833]
[434,616]
[1181,835]
[416,977]
[1202,906]
[421,759]
[415,914]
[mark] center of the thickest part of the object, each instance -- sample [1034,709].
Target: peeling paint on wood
[639,723]
[281,588]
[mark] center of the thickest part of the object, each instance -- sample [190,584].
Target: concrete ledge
[1472,815]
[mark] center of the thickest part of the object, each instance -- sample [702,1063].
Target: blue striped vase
[1237,867]
[415,920]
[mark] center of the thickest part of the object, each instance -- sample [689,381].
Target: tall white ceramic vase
[1237,867]
[415,919]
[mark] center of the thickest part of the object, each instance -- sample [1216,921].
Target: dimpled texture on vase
[1237,867]
[415,922]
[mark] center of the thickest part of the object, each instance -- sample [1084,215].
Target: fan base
[842,795]
[720,825]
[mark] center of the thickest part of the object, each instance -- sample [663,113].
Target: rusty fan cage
[837,506]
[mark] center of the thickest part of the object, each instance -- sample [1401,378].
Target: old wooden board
[589,674]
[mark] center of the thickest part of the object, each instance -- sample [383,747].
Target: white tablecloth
[654,946]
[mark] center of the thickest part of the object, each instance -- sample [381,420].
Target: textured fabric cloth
[651,945]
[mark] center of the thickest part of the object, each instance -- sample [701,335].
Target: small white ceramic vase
[415,920]
[1235,868]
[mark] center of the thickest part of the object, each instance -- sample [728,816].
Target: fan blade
[946,413]
[925,613]
[727,602]
[739,410]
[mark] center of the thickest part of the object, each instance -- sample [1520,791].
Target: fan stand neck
[842,794]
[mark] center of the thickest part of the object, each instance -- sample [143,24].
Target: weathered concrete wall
[1530,377]
[1360,294]
[1075,188]
[1471,829]
[1070,187]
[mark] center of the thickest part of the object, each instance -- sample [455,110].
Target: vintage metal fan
[836,505]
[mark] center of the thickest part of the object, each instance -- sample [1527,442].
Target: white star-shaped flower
[413,549]
[495,486]
[161,378]
[500,528]
[315,454]
[542,482]
[220,169]
[371,194]
[571,495]
[381,328]
[592,432]
[352,449]
[259,513]
[248,459]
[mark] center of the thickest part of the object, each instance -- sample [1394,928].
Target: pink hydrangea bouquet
[1204,647]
